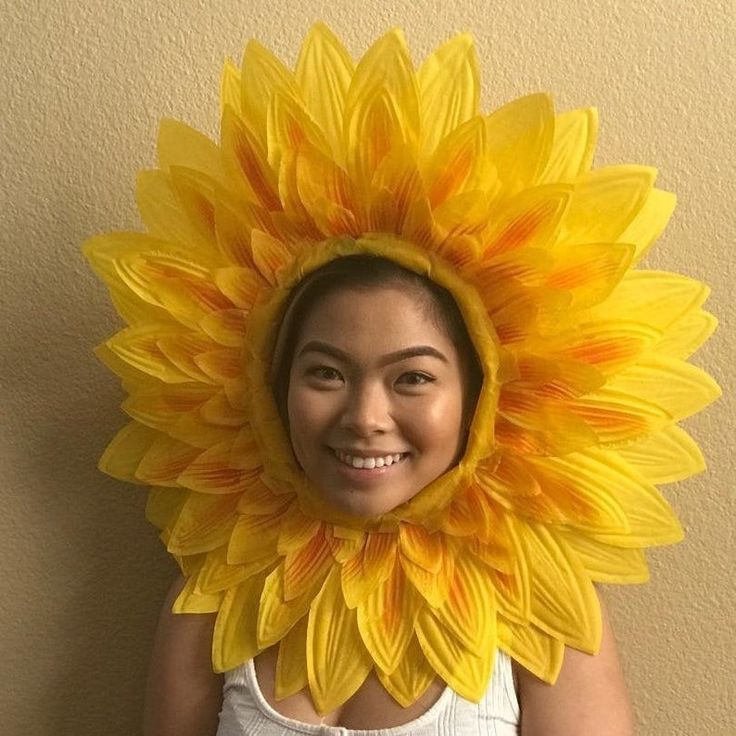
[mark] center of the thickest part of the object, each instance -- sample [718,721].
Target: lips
[369,462]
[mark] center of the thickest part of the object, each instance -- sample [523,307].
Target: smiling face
[375,399]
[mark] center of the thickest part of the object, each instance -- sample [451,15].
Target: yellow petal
[648,225]
[189,601]
[166,216]
[664,457]
[337,660]
[163,506]
[400,192]
[410,680]
[461,163]
[261,76]
[520,138]
[297,530]
[655,298]
[609,346]
[124,454]
[254,537]
[573,146]
[222,364]
[164,405]
[233,224]
[465,516]
[181,145]
[386,620]
[616,417]
[241,285]
[584,493]
[174,409]
[605,202]
[382,106]
[103,252]
[219,411]
[650,518]
[465,214]
[687,334]
[165,460]
[676,387]
[466,672]
[290,128]
[470,610]
[530,219]
[216,575]
[365,571]
[226,326]
[192,430]
[270,255]
[303,566]
[291,665]
[449,89]
[606,563]
[326,192]
[181,349]
[433,586]
[230,87]
[531,647]
[513,591]
[219,470]
[554,378]
[323,72]
[276,617]
[244,158]
[181,287]
[529,425]
[589,272]
[205,523]
[563,600]
[234,638]
[344,547]
[261,500]
[420,547]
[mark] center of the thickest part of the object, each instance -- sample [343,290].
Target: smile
[369,463]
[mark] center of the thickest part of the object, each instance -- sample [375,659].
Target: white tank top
[245,711]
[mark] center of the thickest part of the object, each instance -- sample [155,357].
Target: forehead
[374,320]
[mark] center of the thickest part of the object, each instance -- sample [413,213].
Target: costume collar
[584,359]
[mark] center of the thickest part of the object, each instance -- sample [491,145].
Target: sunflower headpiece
[584,359]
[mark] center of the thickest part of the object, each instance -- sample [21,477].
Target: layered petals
[584,359]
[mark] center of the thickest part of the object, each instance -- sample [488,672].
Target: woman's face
[375,399]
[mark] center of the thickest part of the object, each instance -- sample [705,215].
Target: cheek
[309,413]
[437,422]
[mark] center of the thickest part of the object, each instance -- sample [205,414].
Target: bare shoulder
[590,695]
[183,694]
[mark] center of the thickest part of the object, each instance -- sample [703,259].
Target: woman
[376,379]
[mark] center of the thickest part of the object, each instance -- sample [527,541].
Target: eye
[415,378]
[325,373]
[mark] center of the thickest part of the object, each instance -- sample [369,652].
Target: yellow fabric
[584,361]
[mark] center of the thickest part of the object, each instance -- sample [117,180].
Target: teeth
[368,462]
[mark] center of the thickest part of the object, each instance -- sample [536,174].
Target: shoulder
[183,694]
[589,696]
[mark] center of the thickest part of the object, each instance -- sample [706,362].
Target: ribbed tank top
[245,712]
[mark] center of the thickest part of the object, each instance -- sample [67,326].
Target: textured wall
[82,86]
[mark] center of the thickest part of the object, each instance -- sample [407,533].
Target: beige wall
[82,85]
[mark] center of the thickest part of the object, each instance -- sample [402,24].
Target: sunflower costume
[584,360]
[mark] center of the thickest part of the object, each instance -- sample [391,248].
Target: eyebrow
[317,346]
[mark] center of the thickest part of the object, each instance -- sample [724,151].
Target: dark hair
[370,272]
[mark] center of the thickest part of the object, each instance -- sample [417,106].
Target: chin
[362,506]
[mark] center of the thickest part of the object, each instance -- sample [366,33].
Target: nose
[366,410]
